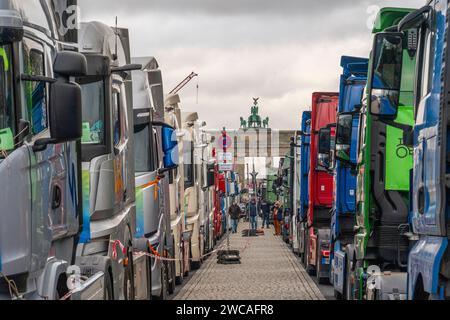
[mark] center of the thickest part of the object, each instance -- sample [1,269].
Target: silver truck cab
[40,167]
[207,192]
[156,157]
[177,203]
[108,158]
[192,182]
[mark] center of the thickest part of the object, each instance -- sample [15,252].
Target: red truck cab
[323,122]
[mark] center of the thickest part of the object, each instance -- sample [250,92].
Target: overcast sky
[278,50]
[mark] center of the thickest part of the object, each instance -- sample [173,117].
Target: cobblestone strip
[269,271]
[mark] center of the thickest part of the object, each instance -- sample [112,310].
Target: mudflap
[339,261]
[323,254]
[142,277]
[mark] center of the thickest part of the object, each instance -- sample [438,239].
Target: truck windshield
[93,98]
[7,116]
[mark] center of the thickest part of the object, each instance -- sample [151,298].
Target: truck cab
[305,144]
[192,183]
[177,203]
[109,209]
[428,265]
[382,243]
[40,158]
[352,85]
[323,118]
[156,160]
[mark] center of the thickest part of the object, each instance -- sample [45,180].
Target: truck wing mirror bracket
[414,19]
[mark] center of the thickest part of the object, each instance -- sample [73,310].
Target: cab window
[35,91]
[117,130]
[7,112]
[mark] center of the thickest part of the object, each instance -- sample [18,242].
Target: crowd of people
[253,211]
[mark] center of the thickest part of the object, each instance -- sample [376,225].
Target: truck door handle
[56,197]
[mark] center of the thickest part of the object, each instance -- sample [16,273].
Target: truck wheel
[128,281]
[195,265]
[338,295]
[186,261]
[350,279]
[320,280]
[309,269]
[164,285]
[108,292]
[180,278]
[172,277]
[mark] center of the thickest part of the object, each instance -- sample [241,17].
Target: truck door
[15,197]
[121,133]
[429,151]
[50,169]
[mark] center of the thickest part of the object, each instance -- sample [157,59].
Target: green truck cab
[384,164]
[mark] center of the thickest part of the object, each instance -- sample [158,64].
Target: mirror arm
[410,21]
[126,68]
[41,144]
[31,78]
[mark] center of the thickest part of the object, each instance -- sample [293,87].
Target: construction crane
[183,83]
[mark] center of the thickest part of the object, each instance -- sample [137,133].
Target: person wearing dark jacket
[235,214]
[254,214]
[265,208]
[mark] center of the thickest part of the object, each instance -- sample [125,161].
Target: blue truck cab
[304,180]
[352,83]
[429,260]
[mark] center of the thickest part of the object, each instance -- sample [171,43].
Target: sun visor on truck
[11,23]
[98,65]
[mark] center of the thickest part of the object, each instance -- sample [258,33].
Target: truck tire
[338,295]
[309,268]
[320,279]
[108,292]
[349,266]
[186,271]
[179,279]
[172,277]
[164,285]
[128,281]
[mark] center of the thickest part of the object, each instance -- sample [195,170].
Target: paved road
[268,271]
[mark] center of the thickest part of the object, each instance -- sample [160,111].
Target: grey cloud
[281,51]
[225,8]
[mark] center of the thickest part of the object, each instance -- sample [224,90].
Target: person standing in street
[235,214]
[265,208]
[254,214]
[277,213]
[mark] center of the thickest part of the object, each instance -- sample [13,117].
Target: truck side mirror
[65,104]
[386,74]
[65,97]
[170,147]
[210,179]
[344,137]
[323,159]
